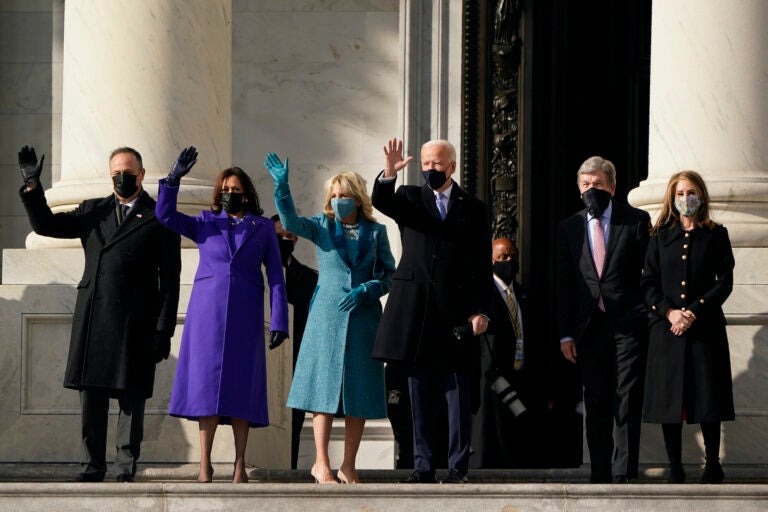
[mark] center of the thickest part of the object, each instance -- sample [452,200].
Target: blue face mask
[343,207]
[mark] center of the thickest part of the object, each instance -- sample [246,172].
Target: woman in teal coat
[335,373]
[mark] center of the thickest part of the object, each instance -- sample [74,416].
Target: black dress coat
[128,291]
[499,438]
[692,270]
[442,279]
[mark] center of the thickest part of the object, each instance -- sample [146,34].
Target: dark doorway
[584,81]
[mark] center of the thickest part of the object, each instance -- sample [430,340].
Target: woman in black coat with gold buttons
[688,275]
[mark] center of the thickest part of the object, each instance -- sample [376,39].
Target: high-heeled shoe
[206,481]
[345,480]
[316,475]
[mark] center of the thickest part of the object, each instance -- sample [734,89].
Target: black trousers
[130,432]
[430,389]
[613,368]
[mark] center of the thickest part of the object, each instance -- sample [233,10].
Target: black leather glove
[276,339]
[161,347]
[182,166]
[30,167]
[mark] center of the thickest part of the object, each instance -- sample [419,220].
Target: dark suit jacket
[578,284]
[442,279]
[499,439]
[129,290]
[300,284]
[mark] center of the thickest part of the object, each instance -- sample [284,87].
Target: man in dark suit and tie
[125,312]
[501,438]
[441,282]
[602,317]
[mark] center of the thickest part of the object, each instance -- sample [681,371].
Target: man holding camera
[505,433]
[441,283]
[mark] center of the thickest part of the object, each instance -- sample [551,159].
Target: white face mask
[687,205]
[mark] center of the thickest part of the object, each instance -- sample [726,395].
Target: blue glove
[353,299]
[279,173]
[276,339]
[182,166]
[30,167]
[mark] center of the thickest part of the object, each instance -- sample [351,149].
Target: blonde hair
[669,216]
[353,184]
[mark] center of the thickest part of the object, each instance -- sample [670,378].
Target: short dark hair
[275,218]
[251,205]
[126,149]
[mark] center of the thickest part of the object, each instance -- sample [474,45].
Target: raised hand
[183,164]
[394,161]
[29,166]
[353,299]
[278,171]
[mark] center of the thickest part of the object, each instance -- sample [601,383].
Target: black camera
[506,392]
[463,331]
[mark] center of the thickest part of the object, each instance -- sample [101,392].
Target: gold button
[683,308]
[685,246]
[682,295]
[653,308]
[701,301]
[683,283]
[685,257]
[687,235]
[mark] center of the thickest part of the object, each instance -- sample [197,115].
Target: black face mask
[231,202]
[434,178]
[506,270]
[596,200]
[125,184]
[286,249]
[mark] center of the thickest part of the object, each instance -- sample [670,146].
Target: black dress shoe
[676,474]
[420,477]
[453,477]
[621,479]
[124,478]
[713,474]
[89,477]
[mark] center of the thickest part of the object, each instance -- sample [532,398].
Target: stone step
[171,488]
[279,497]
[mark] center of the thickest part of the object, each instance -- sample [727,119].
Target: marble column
[153,75]
[709,113]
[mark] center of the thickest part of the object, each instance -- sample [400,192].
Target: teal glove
[354,298]
[279,173]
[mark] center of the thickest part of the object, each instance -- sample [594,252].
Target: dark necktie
[122,212]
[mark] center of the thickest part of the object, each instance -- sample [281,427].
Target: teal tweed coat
[334,366]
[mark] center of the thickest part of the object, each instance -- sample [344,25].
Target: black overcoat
[442,279]
[129,290]
[692,270]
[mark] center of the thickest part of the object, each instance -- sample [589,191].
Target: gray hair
[594,164]
[444,143]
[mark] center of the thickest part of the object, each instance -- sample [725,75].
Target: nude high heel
[345,480]
[317,476]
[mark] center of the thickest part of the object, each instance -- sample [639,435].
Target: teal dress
[334,371]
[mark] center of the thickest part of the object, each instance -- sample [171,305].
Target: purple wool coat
[221,369]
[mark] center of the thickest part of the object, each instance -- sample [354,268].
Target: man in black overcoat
[441,283]
[602,318]
[125,312]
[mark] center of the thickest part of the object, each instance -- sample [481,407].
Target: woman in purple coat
[221,371]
